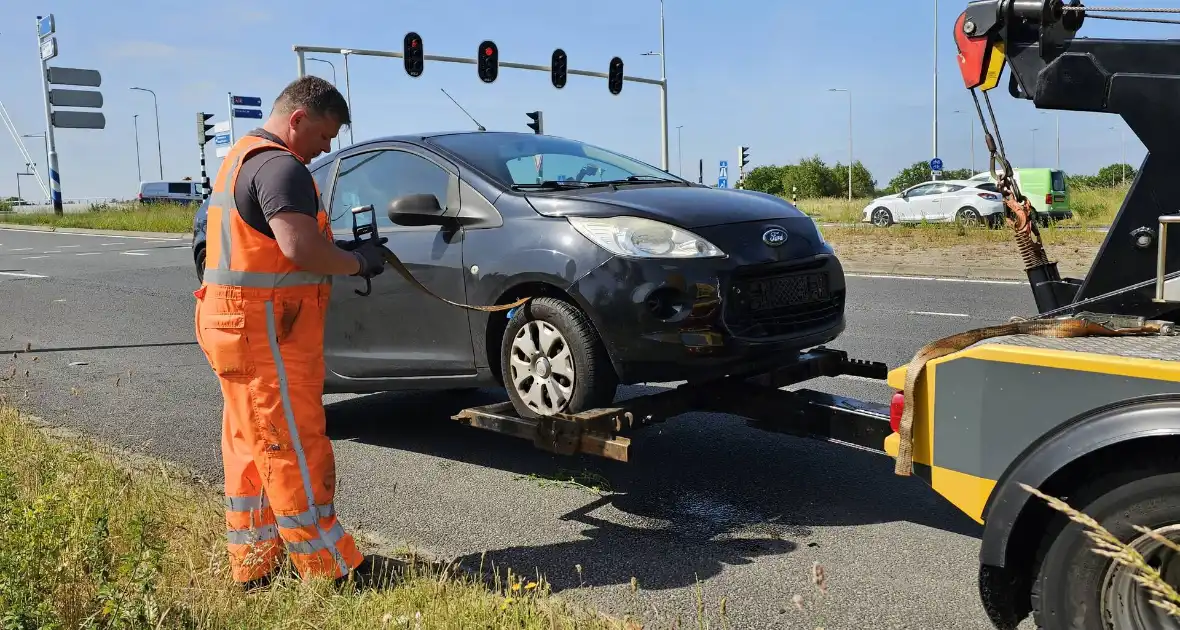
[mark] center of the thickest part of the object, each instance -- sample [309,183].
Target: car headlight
[644,238]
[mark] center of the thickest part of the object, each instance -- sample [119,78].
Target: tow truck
[1080,401]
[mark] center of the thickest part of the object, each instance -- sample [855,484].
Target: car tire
[200,264]
[881,217]
[574,374]
[1068,590]
[968,215]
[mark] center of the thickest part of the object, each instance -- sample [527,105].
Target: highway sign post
[54,98]
[487,63]
[723,175]
[936,167]
[239,107]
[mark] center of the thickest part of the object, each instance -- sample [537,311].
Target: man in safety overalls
[260,321]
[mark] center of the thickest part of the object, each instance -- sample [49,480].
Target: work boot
[258,584]
[373,573]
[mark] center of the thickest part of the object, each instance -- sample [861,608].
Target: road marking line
[932,279]
[140,238]
[22,249]
[88,254]
[21,275]
[51,252]
[69,246]
[936,313]
[134,253]
[32,257]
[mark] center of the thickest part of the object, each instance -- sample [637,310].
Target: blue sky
[751,73]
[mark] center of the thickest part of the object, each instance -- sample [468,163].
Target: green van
[1045,189]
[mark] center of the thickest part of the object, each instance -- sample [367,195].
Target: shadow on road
[701,492]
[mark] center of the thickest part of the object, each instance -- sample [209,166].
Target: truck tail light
[1048,199]
[896,408]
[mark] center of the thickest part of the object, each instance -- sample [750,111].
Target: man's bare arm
[299,237]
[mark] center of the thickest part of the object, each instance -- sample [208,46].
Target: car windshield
[523,160]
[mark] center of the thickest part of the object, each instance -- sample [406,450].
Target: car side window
[921,191]
[320,174]
[379,177]
[990,187]
[950,188]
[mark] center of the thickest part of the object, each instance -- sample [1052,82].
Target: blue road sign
[723,182]
[221,139]
[247,113]
[936,164]
[724,163]
[45,26]
[248,101]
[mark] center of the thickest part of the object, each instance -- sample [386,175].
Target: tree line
[811,178]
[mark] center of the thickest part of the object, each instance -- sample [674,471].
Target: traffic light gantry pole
[488,71]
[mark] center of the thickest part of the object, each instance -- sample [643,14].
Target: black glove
[371,257]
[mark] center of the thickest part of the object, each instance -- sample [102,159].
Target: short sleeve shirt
[273,181]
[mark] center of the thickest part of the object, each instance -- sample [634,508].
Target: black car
[635,275]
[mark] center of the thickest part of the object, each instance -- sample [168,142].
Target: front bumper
[703,319]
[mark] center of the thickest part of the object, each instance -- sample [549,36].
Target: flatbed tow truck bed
[759,398]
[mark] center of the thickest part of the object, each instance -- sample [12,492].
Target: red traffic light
[412,54]
[489,61]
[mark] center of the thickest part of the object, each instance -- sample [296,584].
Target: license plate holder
[777,292]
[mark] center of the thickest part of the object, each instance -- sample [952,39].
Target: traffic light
[744,156]
[489,61]
[412,54]
[614,80]
[203,135]
[558,69]
[537,125]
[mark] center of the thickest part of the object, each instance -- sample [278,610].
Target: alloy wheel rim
[879,217]
[1126,604]
[542,368]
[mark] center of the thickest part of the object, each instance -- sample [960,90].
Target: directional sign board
[247,113]
[79,120]
[75,98]
[936,164]
[247,101]
[221,139]
[723,182]
[48,48]
[75,76]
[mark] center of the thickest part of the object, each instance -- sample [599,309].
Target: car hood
[679,205]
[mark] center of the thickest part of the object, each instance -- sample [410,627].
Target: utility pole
[663,92]
[935,174]
[138,170]
[333,83]
[849,91]
[159,152]
[679,153]
[348,94]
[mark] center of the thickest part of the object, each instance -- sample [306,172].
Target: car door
[950,198]
[398,331]
[918,204]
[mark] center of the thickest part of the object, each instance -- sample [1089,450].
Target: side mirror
[419,209]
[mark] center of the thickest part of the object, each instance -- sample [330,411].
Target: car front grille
[782,304]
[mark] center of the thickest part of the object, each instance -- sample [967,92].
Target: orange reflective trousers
[260,322]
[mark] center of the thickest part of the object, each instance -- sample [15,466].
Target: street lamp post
[138,170]
[663,91]
[348,94]
[333,83]
[935,81]
[159,151]
[679,152]
[849,137]
[971,126]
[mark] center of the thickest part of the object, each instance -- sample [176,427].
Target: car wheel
[882,217]
[553,361]
[969,216]
[200,262]
[1077,588]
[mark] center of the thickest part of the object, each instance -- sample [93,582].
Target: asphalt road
[706,503]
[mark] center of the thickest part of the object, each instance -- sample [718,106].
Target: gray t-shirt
[273,181]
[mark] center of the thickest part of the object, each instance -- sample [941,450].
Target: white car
[942,201]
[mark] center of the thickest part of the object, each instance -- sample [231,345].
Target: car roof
[418,138]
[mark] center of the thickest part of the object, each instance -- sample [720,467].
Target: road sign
[221,139]
[48,48]
[75,76]
[936,164]
[723,182]
[247,113]
[248,101]
[75,98]
[79,120]
[724,163]
[45,26]
[221,127]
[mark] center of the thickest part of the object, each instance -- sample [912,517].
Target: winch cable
[1090,10]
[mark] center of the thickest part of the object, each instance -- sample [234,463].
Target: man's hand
[373,259]
[299,237]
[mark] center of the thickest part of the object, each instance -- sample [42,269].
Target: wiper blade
[640,179]
[551,184]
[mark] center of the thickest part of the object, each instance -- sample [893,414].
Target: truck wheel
[1076,588]
[553,361]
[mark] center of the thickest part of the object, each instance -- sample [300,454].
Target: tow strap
[1080,325]
[400,268]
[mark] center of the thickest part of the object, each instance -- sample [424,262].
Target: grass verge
[132,218]
[88,541]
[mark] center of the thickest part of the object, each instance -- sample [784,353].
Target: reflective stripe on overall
[260,322]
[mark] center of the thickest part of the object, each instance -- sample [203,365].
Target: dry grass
[131,217]
[87,541]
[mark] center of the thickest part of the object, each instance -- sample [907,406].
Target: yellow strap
[391,258]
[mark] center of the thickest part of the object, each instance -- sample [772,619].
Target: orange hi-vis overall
[260,321]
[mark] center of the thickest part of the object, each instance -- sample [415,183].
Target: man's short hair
[315,95]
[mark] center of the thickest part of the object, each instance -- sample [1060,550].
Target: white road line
[140,238]
[64,246]
[134,253]
[934,279]
[32,257]
[88,254]
[115,243]
[51,252]
[21,249]
[937,314]
[21,275]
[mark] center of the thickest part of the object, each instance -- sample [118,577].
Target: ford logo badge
[774,237]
